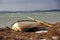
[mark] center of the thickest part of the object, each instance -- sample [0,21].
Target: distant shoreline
[35,11]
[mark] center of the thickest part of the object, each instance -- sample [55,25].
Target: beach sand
[52,34]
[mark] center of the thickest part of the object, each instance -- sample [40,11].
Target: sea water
[7,19]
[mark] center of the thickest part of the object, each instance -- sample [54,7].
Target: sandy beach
[52,34]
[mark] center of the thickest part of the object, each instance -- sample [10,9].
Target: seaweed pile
[52,34]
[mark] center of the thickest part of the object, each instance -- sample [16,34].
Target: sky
[28,5]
